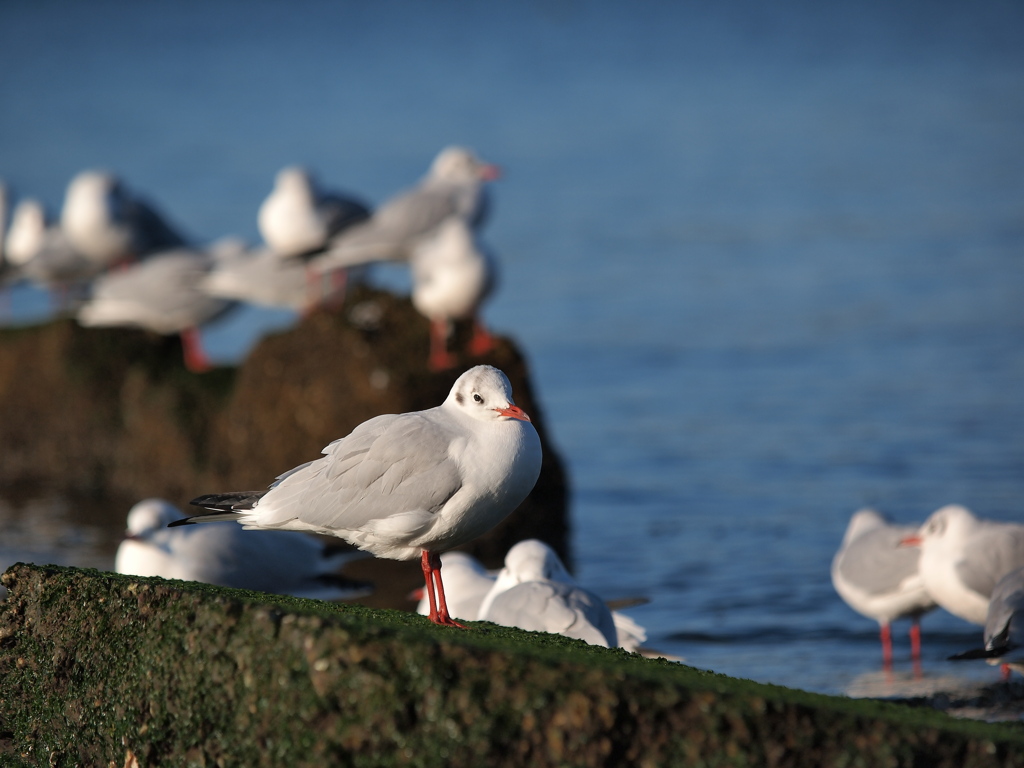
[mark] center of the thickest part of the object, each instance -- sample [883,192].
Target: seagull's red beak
[911,541]
[513,412]
[490,172]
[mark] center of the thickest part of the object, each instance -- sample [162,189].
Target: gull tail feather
[221,506]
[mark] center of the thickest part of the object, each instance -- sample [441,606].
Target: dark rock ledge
[98,669]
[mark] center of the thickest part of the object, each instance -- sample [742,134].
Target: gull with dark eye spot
[407,485]
[962,558]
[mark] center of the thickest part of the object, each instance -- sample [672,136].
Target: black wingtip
[977,653]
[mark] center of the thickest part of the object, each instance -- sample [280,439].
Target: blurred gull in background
[1004,625]
[535,592]
[452,274]
[454,186]
[161,294]
[879,579]
[110,225]
[964,557]
[280,562]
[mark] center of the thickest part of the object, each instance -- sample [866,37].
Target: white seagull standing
[879,579]
[161,294]
[407,485]
[283,563]
[41,251]
[297,218]
[1004,625]
[454,186]
[258,276]
[109,225]
[963,557]
[452,274]
[535,592]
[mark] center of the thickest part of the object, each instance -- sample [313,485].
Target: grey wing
[388,234]
[386,466]
[1007,603]
[342,212]
[875,562]
[996,552]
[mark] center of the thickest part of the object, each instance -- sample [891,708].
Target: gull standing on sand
[454,186]
[407,485]
[280,563]
[452,274]
[535,592]
[109,225]
[879,579]
[161,294]
[963,557]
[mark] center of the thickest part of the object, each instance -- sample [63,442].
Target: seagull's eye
[477,398]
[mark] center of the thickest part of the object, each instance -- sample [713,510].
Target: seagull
[281,563]
[469,583]
[879,579]
[963,557]
[297,218]
[535,592]
[454,186]
[41,251]
[452,274]
[109,225]
[408,485]
[258,276]
[161,294]
[1004,625]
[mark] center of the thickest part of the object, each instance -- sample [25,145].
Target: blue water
[767,261]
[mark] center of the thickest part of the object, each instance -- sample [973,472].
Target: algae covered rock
[98,669]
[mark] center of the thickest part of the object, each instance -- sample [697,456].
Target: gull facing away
[469,583]
[454,186]
[297,218]
[1004,625]
[407,485]
[452,274]
[879,579]
[963,557]
[109,225]
[161,294]
[535,592]
[288,563]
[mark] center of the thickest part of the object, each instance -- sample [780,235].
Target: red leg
[1005,668]
[915,640]
[432,575]
[440,360]
[886,636]
[482,341]
[192,347]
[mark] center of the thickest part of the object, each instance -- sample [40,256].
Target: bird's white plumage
[534,591]
[422,481]
[298,218]
[281,563]
[874,575]
[454,186]
[452,272]
[108,224]
[161,294]
[963,557]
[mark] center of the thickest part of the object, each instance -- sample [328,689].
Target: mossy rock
[98,669]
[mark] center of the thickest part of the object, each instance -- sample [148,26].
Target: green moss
[94,666]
